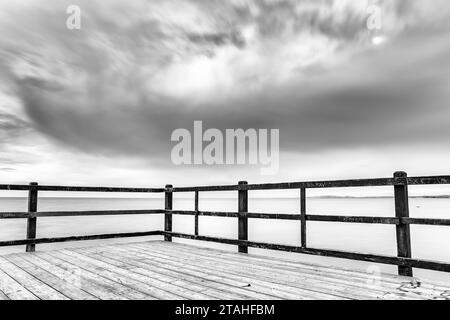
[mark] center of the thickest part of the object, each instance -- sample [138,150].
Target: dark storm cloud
[11,127]
[218,39]
[99,95]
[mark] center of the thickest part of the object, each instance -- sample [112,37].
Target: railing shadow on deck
[401,220]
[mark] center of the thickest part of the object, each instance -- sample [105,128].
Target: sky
[97,105]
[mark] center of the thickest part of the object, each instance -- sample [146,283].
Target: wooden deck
[166,270]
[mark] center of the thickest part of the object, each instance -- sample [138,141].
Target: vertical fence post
[32,222]
[243,219]
[196,212]
[168,201]
[303,216]
[402,229]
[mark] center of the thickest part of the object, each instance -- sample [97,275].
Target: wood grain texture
[168,270]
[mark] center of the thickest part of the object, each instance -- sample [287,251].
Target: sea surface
[428,242]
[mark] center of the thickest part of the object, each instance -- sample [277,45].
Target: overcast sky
[97,106]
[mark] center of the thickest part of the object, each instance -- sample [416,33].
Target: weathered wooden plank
[117,290]
[356,282]
[312,282]
[153,269]
[117,274]
[219,281]
[141,283]
[224,281]
[122,285]
[168,288]
[14,290]
[249,281]
[111,256]
[139,267]
[75,276]
[3,296]
[32,284]
[277,262]
[67,289]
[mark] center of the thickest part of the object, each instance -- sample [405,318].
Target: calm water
[428,242]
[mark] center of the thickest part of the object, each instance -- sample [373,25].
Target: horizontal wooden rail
[352,219]
[429,180]
[420,180]
[79,238]
[316,217]
[205,213]
[408,262]
[426,221]
[19,215]
[20,187]
[253,215]
[323,184]
[294,185]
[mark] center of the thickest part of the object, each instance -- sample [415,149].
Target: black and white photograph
[224,156]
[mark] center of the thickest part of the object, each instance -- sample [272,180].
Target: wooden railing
[401,220]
